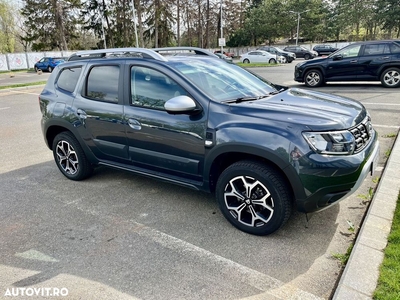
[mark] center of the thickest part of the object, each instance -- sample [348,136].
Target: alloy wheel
[391,78]
[67,157]
[249,201]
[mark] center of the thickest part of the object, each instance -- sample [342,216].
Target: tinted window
[376,49]
[102,83]
[394,48]
[150,88]
[68,79]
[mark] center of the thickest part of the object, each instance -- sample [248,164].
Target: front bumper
[327,196]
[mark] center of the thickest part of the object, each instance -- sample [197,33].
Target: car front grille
[362,134]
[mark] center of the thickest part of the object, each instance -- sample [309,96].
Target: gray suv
[202,123]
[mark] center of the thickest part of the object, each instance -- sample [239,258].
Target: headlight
[334,142]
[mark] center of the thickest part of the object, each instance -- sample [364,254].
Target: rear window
[68,79]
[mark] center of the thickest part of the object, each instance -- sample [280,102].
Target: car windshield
[221,81]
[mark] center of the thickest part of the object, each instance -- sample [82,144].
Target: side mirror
[181,105]
[337,57]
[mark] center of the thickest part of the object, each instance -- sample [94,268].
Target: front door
[173,144]
[344,65]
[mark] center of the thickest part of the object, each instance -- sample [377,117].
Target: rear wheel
[50,69]
[70,158]
[253,197]
[272,61]
[391,78]
[246,61]
[313,78]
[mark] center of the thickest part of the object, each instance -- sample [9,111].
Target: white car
[260,56]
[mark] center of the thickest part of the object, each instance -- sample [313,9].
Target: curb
[360,276]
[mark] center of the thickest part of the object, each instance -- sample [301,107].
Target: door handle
[353,61]
[134,124]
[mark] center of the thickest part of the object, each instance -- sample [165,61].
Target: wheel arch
[54,129]
[229,154]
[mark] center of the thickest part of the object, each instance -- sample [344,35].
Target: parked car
[301,52]
[259,56]
[324,49]
[289,56]
[229,54]
[224,57]
[202,123]
[48,63]
[364,61]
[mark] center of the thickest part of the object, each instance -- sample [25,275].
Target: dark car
[290,56]
[324,49]
[301,52]
[202,123]
[48,63]
[364,61]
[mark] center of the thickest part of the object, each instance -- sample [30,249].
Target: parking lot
[120,236]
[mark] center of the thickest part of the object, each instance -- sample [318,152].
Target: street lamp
[298,22]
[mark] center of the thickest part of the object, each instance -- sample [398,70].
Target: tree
[7,28]
[50,24]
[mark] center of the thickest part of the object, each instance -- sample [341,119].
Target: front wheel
[307,56]
[246,61]
[391,78]
[272,61]
[70,158]
[313,78]
[253,197]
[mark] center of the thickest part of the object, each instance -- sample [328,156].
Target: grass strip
[389,278]
[11,86]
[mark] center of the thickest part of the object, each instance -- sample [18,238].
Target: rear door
[373,57]
[100,111]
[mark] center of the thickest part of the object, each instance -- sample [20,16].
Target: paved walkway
[361,274]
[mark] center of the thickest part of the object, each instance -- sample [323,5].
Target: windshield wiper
[243,99]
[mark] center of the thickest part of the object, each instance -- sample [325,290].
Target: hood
[315,110]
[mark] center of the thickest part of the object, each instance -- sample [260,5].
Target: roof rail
[87,54]
[196,50]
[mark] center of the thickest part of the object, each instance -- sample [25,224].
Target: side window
[68,79]
[151,88]
[394,48]
[351,51]
[376,49]
[102,83]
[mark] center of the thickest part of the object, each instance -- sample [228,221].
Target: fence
[23,61]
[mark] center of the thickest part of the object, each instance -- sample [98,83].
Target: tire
[390,78]
[289,60]
[313,78]
[50,69]
[245,182]
[307,56]
[272,61]
[70,158]
[246,61]
[36,69]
